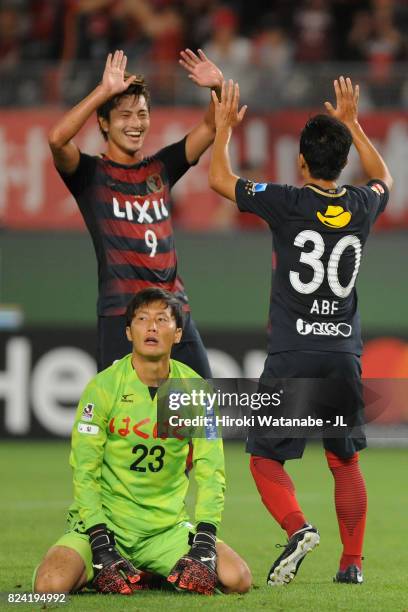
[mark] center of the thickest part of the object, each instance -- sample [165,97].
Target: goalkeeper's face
[153,330]
[128,125]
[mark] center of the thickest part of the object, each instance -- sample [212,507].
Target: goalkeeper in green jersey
[128,528]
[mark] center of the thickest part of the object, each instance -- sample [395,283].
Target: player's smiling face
[128,124]
[153,330]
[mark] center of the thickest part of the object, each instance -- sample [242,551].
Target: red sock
[351,506]
[278,493]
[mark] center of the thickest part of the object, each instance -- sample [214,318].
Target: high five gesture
[113,79]
[227,116]
[346,101]
[202,71]
[346,111]
[226,109]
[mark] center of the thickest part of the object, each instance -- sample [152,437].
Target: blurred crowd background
[283,51]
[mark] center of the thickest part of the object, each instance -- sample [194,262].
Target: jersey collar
[328,193]
[132,369]
[109,161]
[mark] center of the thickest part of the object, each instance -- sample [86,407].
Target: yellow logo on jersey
[335,216]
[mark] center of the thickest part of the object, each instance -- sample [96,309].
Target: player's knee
[245,579]
[334,461]
[50,581]
[240,580]
[61,571]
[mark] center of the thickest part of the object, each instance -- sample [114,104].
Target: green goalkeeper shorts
[158,553]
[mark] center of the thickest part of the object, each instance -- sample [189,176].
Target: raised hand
[202,71]
[113,80]
[346,101]
[226,109]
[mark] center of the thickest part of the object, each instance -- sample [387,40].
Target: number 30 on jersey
[313,259]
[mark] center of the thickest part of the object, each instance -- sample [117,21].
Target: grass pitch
[36,491]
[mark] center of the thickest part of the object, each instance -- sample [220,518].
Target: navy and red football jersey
[318,238]
[127,210]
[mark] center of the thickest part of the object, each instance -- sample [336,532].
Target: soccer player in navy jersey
[124,197]
[319,232]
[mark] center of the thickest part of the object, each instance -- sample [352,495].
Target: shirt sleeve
[269,201]
[87,450]
[81,178]
[376,198]
[209,471]
[175,161]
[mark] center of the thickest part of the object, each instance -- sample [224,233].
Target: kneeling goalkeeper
[128,527]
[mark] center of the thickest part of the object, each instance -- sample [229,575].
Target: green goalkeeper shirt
[125,475]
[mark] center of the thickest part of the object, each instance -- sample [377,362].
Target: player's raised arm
[347,111]
[64,150]
[204,73]
[227,116]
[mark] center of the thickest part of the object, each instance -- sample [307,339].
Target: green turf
[36,491]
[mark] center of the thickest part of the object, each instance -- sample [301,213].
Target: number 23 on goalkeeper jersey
[127,476]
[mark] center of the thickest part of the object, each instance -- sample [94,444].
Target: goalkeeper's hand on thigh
[112,572]
[196,571]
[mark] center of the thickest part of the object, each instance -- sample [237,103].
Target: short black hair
[137,88]
[325,144]
[155,294]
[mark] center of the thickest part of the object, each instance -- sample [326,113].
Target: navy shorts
[331,385]
[113,344]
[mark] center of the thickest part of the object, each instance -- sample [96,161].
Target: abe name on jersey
[318,241]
